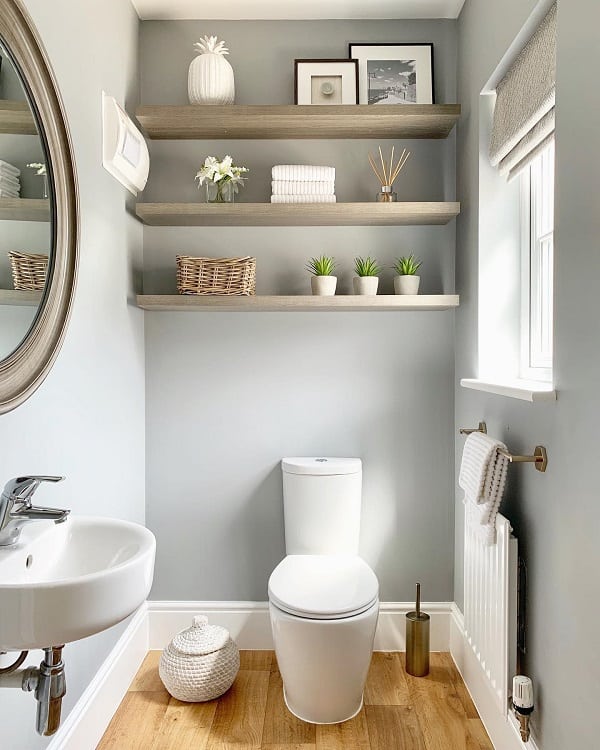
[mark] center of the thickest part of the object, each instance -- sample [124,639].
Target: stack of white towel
[302,183]
[483,476]
[10,183]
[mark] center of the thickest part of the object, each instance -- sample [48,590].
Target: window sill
[525,390]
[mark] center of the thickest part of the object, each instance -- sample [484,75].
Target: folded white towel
[285,187]
[10,182]
[9,169]
[482,476]
[303,199]
[8,193]
[302,172]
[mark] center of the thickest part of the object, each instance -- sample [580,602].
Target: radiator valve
[522,699]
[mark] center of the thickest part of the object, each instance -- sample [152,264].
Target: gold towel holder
[539,458]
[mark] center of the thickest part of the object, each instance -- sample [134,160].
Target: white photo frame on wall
[394,73]
[326,81]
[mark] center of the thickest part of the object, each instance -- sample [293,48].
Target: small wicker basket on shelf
[29,270]
[216,275]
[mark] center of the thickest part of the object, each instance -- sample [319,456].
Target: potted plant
[322,282]
[407,281]
[222,179]
[367,275]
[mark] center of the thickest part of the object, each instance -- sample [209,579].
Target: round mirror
[38,210]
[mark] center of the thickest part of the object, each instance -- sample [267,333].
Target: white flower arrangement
[220,173]
[41,168]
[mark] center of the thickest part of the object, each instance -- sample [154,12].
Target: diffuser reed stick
[387,173]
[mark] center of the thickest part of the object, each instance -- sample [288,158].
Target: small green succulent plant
[366,266]
[323,266]
[407,266]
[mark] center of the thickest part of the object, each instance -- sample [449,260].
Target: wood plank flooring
[400,713]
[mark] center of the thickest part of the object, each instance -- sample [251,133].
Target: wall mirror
[38,210]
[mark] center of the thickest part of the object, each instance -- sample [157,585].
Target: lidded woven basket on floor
[216,275]
[200,663]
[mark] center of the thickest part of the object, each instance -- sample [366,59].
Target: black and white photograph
[392,81]
[394,73]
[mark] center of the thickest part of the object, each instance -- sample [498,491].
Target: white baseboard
[503,731]
[155,623]
[250,627]
[86,723]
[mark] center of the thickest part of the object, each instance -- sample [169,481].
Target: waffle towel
[303,199]
[9,182]
[303,173]
[483,478]
[287,187]
[4,193]
[8,169]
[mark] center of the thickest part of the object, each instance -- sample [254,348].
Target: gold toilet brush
[417,640]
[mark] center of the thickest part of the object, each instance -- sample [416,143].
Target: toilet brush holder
[417,640]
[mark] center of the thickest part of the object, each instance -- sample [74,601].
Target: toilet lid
[323,587]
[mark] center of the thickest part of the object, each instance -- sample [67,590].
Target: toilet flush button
[321,460]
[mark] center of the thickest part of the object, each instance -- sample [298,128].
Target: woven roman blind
[524,113]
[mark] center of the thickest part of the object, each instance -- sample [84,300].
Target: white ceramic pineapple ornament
[210,78]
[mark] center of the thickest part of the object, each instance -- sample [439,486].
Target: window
[537,258]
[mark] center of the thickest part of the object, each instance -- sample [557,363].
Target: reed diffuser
[387,174]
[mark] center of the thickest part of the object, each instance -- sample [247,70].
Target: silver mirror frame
[23,371]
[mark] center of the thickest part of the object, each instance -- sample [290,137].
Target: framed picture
[394,73]
[326,81]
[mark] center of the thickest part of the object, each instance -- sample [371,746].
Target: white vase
[323,286]
[365,285]
[407,284]
[210,77]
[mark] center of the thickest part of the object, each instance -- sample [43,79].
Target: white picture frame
[319,82]
[392,83]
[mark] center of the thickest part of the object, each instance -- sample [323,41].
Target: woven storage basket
[216,275]
[29,270]
[200,663]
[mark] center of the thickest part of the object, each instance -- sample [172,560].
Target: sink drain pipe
[47,682]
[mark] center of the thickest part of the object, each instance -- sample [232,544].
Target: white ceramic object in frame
[407,284]
[323,286]
[345,70]
[210,77]
[365,285]
[420,54]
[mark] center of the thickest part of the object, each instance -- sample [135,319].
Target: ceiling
[295,9]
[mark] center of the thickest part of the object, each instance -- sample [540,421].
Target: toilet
[323,598]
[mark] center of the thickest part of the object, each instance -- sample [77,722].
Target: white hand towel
[9,182]
[9,169]
[483,478]
[8,193]
[302,172]
[303,199]
[286,187]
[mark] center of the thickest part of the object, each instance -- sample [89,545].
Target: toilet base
[323,723]
[324,663]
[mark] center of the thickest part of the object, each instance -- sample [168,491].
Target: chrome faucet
[16,508]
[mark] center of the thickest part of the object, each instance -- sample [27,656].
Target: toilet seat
[323,587]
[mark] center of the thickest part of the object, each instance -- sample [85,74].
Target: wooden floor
[400,713]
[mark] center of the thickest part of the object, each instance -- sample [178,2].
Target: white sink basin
[66,581]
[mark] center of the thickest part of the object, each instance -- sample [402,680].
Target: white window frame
[537,253]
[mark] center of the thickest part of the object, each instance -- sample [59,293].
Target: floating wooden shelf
[295,303]
[20,298]
[295,214]
[16,118]
[293,121]
[24,209]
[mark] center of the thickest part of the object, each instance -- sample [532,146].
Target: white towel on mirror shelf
[303,199]
[9,169]
[8,179]
[9,185]
[288,187]
[303,173]
[4,193]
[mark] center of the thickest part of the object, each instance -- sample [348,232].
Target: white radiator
[491,606]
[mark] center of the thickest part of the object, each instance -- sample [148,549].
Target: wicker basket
[29,270]
[216,275]
[200,663]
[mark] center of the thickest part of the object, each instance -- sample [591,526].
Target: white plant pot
[210,80]
[407,284]
[365,285]
[323,286]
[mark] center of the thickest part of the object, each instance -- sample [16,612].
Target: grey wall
[556,514]
[229,395]
[87,419]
